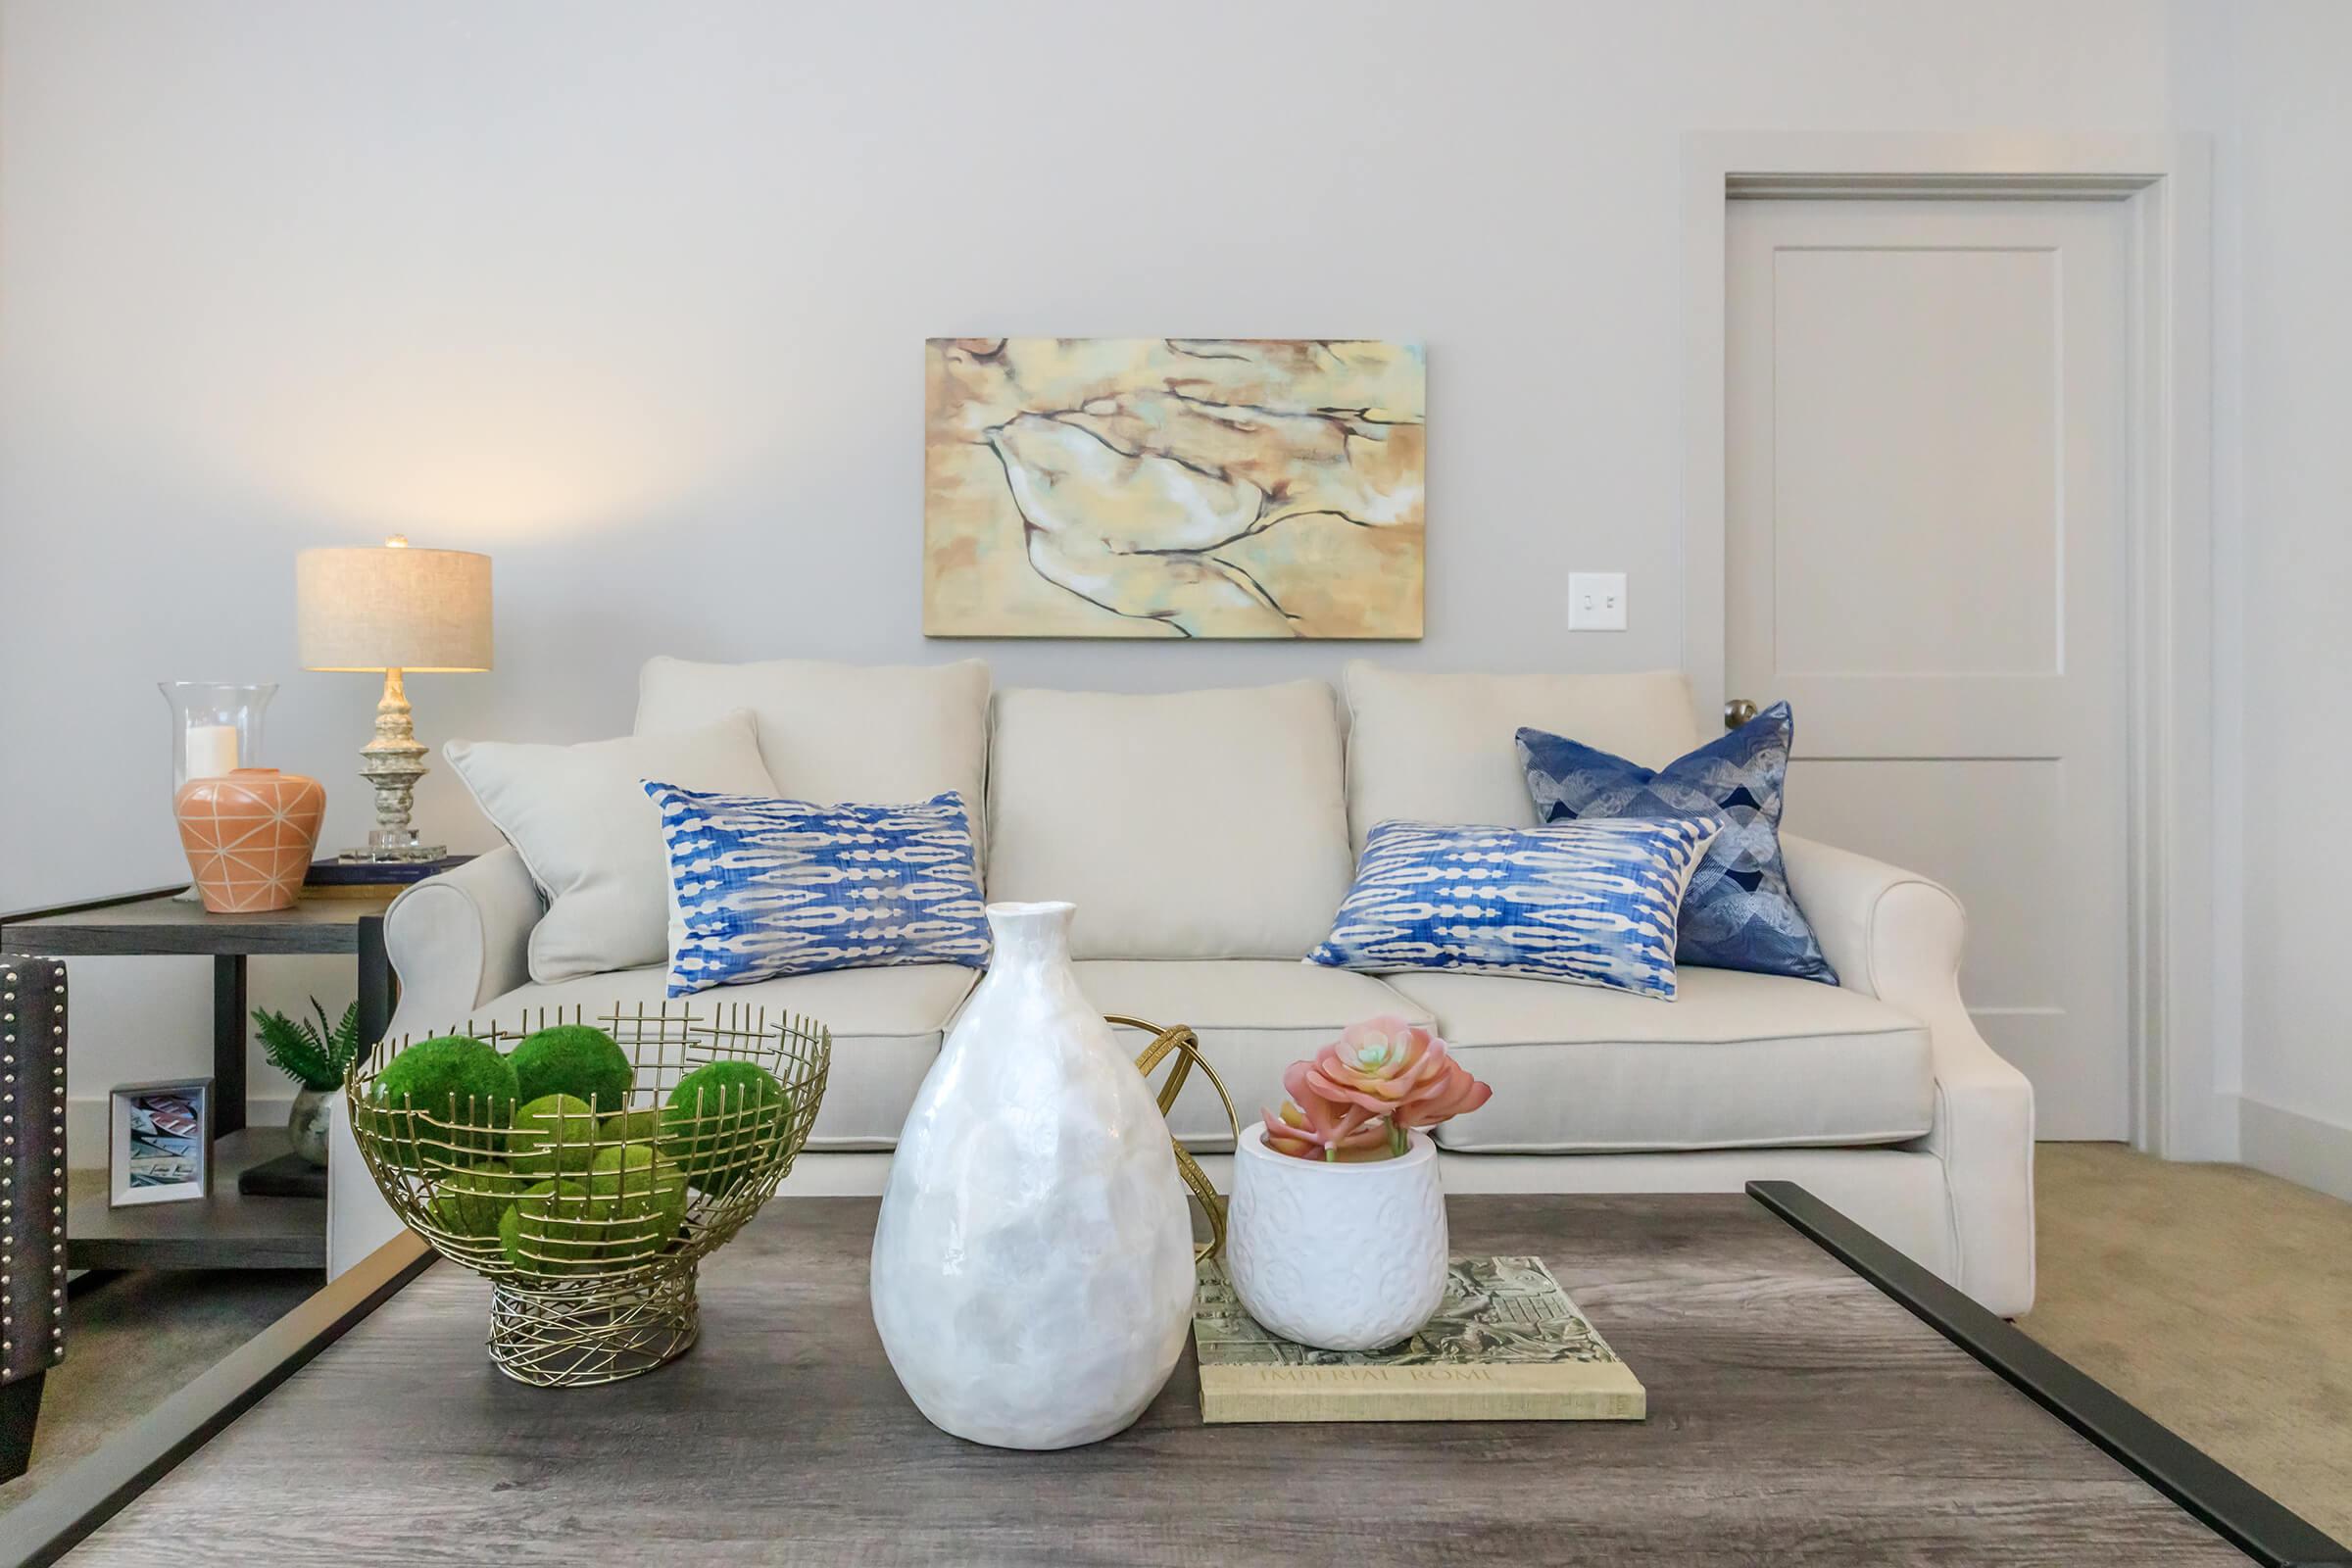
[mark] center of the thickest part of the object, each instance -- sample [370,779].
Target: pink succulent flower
[1396,1069]
[1316,1126]
[1444,1096]
[1381,1077]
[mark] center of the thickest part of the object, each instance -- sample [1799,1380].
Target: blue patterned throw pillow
[1588,903]
[761,888]
[1738,913]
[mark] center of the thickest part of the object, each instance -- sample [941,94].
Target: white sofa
[1208,836]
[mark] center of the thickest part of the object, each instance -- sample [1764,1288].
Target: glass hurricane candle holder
[215,727]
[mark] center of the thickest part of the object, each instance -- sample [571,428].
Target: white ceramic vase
[1341,1257]
[1032,1266]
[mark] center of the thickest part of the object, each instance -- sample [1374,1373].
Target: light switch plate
[1596,601]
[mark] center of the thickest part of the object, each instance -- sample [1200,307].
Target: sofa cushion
[1738,912]
[840,732]
[1440,747]
[886,1026]
[1736,1061]
[1254,1018]
[1589,904]
[761,888]
[579,817]
[1197,825]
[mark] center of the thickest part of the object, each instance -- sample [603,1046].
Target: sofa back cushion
[1197,825]
[882,734]
[1441,748]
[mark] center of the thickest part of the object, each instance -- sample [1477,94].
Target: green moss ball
[555,1132]
[573,1058]
[471,1201]
[631,1180]
[719,1119]
[640,1197]
[633,1126]
[540,1233]
[451,1079]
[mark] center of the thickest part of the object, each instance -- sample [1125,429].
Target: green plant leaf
[313,1055]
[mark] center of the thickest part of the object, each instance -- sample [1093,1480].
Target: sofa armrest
[460,939]
[1896,936]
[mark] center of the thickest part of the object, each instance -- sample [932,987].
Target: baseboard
[2302,1148]
[86,1133]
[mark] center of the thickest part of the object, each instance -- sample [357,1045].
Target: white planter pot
[1341,1257]
[1033,1265]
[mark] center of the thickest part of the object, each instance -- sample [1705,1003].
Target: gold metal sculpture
[593,1278]
[1184,1045]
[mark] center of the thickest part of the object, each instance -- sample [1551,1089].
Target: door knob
[1738,711]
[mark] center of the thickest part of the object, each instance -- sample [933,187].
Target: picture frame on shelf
[159,1147]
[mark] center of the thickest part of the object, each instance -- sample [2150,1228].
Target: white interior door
[1926,427]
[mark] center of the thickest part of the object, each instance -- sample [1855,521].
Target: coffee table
[1813,1396]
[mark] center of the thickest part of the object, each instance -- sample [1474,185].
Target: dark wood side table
[226,1230]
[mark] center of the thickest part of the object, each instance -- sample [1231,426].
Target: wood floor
[2217,1298]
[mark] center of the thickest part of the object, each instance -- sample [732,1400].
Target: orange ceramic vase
[249,836]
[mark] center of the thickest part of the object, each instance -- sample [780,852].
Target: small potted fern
[316,1057]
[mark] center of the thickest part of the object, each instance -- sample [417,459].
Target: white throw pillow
[579,817]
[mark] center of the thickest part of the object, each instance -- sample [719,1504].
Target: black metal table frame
[231,1002]
[47,1525]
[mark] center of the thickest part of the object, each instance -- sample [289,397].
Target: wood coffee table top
[1796,1412]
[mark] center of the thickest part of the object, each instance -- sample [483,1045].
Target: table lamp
[399,610]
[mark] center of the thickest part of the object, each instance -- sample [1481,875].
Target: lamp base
[393,762]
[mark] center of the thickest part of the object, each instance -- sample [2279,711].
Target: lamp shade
[393,607]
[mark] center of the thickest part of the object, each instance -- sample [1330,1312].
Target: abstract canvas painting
[1172,487]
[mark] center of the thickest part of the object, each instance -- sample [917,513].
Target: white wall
[2289,587]
[632,297]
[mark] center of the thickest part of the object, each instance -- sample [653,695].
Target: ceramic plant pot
[1341,1257]
[1033,1264]
[249,835]
[306,1123]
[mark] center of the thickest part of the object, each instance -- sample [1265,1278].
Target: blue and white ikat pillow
[1738,912]
[762,888]
[1587,903]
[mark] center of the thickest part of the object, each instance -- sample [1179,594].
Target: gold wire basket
[599,1284]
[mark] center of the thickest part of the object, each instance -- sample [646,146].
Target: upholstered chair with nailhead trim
[32,1196]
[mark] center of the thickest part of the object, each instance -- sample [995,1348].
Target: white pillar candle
[211,749]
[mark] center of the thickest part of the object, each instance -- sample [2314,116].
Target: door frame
[2178,1107]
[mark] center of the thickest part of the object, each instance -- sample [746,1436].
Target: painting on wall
[1172,487]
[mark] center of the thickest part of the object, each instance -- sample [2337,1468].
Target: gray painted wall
[632,297]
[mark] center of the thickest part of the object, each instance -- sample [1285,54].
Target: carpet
[133,1339]
[2215,1297]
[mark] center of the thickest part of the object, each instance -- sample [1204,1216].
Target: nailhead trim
[13,1033]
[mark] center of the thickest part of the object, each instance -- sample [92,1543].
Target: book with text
[1506,1345]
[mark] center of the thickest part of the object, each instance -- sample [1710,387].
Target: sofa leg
[20,1413]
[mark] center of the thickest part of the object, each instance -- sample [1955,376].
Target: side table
[226,1229]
